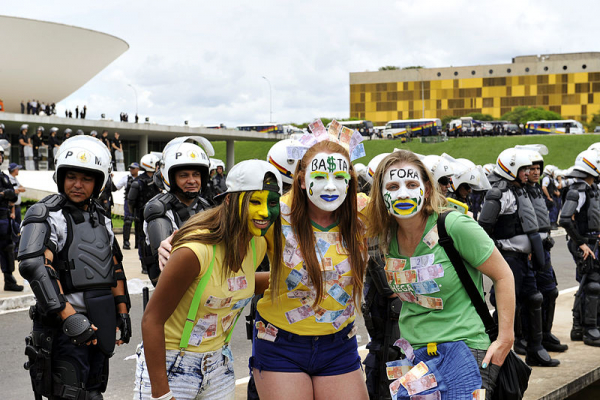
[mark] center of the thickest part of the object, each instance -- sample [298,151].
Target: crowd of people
[306,238]
[36,107]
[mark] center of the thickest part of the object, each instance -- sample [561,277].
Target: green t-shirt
[436,307]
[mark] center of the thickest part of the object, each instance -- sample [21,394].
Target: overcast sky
[204,61]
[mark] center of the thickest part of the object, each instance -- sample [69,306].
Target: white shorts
[193,376]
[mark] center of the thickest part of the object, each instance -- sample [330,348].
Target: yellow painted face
[263,210]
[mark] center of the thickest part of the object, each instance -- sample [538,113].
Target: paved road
[15,325]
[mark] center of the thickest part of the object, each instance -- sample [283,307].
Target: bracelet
[166,396]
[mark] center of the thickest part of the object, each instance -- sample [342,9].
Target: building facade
[568,84]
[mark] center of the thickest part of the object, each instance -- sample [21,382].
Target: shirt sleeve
[471,241]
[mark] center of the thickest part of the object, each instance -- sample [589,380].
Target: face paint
[327,179]
[263,210]
[403,191]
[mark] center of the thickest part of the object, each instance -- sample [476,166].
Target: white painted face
[327,179]
[403,191]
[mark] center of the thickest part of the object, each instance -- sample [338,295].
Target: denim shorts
[191,375]
[324,355]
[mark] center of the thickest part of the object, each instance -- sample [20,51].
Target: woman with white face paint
[436,308]
[304,344]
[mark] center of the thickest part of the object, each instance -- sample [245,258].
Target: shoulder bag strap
[447,243]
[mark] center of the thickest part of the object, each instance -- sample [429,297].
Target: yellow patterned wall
[574,96]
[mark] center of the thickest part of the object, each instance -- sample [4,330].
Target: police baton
[145,297]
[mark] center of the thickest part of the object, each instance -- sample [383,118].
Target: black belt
[514,254]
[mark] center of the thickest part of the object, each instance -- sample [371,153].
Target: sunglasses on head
[444,180]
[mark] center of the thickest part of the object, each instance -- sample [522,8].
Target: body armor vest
[539,204]
[588,217]
[467,200]
[86,261]
[523,221]
[147,191]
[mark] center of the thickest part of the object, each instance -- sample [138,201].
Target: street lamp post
[270,100]
[136,99]
[422,92]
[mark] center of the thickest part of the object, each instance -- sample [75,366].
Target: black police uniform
[7,247]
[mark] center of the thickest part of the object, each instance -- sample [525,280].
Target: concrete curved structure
[49,61]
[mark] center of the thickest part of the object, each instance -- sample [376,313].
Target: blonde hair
[381,222]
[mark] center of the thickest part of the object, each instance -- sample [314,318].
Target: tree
[521,115]
[389,68]
[414,67]
[446,120]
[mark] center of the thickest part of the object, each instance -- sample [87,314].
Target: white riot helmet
[594,146]
[278,158]
[488,169]
[550,170]
[372,166]
[439,166]
[86,154]
[3,145]
[465,171]
[588,161]
[509,162]
[214,163]
[361,170]
[148,162]
[185,154]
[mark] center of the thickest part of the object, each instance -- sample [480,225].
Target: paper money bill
[430,302]
[406,348]
[298,294]
[334,128]
[346,135]
[421,261]
[415,373]
[341,249]
[356,139]
[432,272]
[343,267]
[408,276]
[268,332]
[200,330]
[316,127]
[216,302]
[345,281]
[358,152]
[432,237]
[319,311]
[330,276]
[425,287]
[339,294]
[408,297]
[348,312]
[361,200]
[228,320]
[241,303]
[285,211]
[298,314]
[308,140]
[437,395]
[420,385]
[296,152]
[329,316]
[327,263]
[394,386]
[397,371]
[237,283]
[322,246]
[394,264]
[479,394]
[293,279]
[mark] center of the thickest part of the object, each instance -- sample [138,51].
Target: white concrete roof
[49,61]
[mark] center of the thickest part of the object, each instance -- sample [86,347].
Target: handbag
[513,378]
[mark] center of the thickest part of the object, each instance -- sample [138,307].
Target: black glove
[124,325]
[548,243]
[78,328]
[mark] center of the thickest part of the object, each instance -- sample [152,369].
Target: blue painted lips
[329,198]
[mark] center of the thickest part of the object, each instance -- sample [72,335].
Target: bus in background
[405,128]
[567,126]
[364,127]
[220,126]
[262,128]
[460,127]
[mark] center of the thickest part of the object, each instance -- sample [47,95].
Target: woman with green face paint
[209,278]
[436,308]
[304,344]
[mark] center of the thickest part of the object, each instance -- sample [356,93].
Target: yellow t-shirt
[293,310]
[221,302]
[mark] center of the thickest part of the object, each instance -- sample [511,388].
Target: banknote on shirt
[200,330]
[237,283]
[327,263]
[394,264]
[329,316]
[330,276]
[406,348]
[415,373]
[316,126]
[341,249]
[345,281]
[293,279]
[241,303]
[346,135]
[397,371]
[432,272]
[329,237]
[425,287]
[286,230]
[358,152]
[420,385]
[322,246]
[430,302]
[285,211]
[437,395]
[339,294]
[407,296]
[296,152]
[300,313]
[431,238]
[298,294]
[421,261]
[334,128]
[408,276]
[361,201]
[217,302]
[479,394]
[308,140]
[228,320]
[343,267]
[394,386]
[319,311]
[348,312]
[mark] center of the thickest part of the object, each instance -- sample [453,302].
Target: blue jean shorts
[191,375]
[324,355]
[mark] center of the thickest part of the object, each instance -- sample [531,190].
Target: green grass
[562,149]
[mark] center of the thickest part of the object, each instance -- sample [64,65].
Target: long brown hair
[225,224]
[351,227]
[381,222]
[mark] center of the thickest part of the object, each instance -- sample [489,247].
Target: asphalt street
[16,325]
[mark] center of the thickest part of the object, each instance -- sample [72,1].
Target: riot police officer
[142,190]
[509,218]
[69,255]
[184,174]
[125,182]
[7,247]
[441,170]
[580,216]
[545,279]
